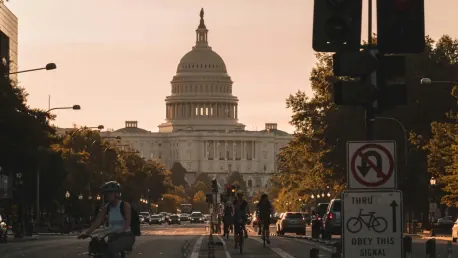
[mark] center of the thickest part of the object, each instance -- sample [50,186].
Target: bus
[186,208]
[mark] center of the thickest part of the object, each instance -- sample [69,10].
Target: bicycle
[98,246]
[263,235]
[239,235]
[378,224]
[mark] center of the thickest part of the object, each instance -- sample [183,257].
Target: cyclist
[227,217]
[241,212]
[119,221]
[265,210]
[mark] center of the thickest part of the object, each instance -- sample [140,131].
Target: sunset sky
[116,58]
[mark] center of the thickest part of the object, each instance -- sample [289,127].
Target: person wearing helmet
[119,221]
[265,210]
[241,212]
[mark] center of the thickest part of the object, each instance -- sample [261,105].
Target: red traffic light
[228,187]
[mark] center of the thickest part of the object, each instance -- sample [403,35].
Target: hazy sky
[116,58]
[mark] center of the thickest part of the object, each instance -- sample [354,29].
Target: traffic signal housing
[401,26]
[337,25]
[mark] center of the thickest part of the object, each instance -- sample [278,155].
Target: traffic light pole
[370,109]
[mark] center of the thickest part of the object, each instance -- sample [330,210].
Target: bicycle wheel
[241,239]
[354,225]
[379,224]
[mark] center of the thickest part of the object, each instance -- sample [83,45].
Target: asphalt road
[167,241]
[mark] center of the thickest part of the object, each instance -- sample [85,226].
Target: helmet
[111,186]
[239,192]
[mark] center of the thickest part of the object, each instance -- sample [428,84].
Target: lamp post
[49,66]
[74,107]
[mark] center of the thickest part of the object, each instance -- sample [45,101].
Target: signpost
[371,165]
[372,224]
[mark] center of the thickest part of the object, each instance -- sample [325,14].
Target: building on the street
[8,54]
[202,130]
[8,36]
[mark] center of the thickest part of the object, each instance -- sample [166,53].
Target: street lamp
[313,196]
[428,81]
[74,107]
[98,197]
[49,66]
[432,181]
[329,194]
[67,195]
[80,197]
[89,197]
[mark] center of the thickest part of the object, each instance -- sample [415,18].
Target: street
[169,241]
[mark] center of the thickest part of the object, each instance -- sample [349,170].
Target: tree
[316,156]
[24,134]
[237,179]
[199,202]
[178,175]
[170,203]
[202,183]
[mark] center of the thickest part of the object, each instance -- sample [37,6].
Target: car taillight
[331,215]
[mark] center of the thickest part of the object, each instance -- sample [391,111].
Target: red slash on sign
[363,156]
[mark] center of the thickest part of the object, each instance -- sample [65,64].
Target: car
[174,219]
[291,222]
[156,219]
[184,217]
[455,231]
[332,223]
[197,217]
[145,215]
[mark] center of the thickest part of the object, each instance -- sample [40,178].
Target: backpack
[134,218]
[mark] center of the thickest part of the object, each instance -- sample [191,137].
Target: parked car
[332,223]
[291,222]
[156,219]
[455,231]
[174,219]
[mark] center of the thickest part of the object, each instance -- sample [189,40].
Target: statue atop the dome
[202,13]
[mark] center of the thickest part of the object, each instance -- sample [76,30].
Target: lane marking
[327,249]
[228,255]
[280,252]
[196,249]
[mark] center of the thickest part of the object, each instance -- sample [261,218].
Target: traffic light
[401,26]
[214,186]
[228,190]
[233,190]
[380,76]
[337,25]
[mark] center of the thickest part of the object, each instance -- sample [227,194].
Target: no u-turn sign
[371,165]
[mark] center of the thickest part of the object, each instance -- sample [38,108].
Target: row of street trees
[316,158]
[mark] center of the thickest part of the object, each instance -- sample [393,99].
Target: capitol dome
[201,60]
[201,97]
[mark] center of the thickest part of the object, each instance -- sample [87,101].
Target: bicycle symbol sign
[372,223]
[371,165]
[355,224]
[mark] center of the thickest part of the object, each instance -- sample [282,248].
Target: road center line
[280,252]
[228,255]
[196,249]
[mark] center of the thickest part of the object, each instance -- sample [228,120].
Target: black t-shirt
[264,209]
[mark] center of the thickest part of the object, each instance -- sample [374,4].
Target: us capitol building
[202,130]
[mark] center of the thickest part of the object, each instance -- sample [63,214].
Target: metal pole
[406,149]
[38,196]
[370,109]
